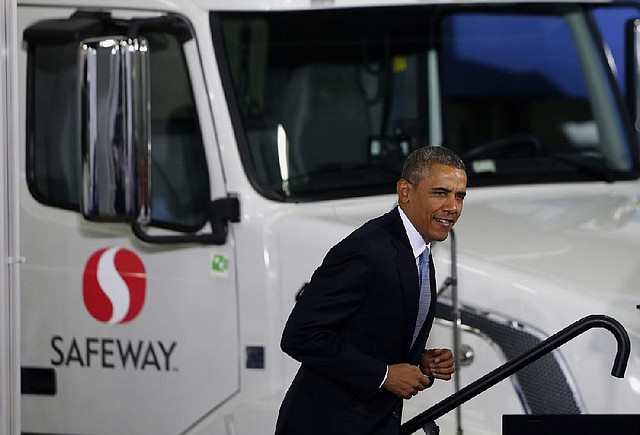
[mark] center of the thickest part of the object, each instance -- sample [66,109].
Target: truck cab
[185,167]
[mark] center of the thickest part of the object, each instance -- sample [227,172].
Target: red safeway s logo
[114,285]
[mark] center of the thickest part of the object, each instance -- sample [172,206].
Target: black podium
[583,424]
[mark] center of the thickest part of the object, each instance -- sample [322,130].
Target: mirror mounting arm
[220,212]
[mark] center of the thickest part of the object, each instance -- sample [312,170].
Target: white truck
[181,168]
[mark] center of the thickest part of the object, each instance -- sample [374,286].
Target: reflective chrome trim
[113,132]
[553,390]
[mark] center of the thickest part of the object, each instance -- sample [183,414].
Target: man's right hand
[405,380]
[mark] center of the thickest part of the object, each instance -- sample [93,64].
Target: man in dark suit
[360,327]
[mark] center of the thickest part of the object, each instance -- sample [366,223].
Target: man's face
[434,205]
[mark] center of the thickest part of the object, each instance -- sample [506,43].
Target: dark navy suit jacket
[355,317]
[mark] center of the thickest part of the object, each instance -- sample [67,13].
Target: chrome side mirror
[114,129]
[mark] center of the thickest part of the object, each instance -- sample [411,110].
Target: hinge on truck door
[220,212]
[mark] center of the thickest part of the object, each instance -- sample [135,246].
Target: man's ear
[402,187]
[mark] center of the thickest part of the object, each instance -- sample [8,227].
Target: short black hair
[419,162]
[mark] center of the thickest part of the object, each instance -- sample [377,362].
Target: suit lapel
[408,273]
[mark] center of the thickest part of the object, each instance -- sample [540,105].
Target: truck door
[129,315]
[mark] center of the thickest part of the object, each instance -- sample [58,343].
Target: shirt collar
[415,239]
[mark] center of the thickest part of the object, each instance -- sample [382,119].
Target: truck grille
[545,386]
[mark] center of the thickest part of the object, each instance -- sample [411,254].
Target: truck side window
[180,179]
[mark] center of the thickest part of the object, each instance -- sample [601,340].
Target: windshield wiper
[585,165]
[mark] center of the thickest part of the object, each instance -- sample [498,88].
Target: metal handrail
[541,349]
[457,322]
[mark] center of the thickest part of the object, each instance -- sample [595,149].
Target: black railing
[526,358]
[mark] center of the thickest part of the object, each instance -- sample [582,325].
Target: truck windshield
[329,103]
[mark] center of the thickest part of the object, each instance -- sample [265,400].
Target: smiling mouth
[445,222]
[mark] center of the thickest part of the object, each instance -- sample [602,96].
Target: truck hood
[582,237]
[580,241]
[537,257]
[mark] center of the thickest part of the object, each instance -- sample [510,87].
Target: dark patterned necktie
[425,292]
